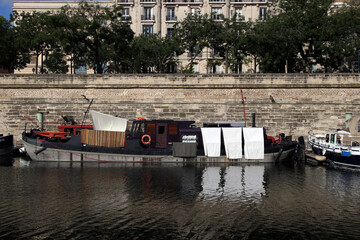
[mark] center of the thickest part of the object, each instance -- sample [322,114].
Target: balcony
[216,1]
[126,18]
[248,1]
[171,18]
[183,1]
[147,17]
[125,2]
[148,1]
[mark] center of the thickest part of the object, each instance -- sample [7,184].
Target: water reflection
[233,182]
[176,201]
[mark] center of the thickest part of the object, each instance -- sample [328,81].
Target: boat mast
[86,112]
[243,102]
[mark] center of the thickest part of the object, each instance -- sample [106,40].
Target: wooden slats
[103,138]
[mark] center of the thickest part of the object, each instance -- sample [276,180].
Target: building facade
[159,16]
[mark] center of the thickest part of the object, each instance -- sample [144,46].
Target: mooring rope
[100,160]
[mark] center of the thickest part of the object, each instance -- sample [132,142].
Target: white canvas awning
[107,122]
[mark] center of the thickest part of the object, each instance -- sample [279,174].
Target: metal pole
[243,102]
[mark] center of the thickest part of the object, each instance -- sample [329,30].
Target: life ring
[144,141]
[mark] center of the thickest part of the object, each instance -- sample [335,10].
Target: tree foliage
[192,35]
[295,36]
[13,50]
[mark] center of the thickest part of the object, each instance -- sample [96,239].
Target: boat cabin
[336,138]
[162,133]
[342,138]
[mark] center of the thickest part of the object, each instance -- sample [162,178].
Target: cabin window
[338,140]
[138,127]
[173,129]
[332,138]
[161,129]
[327,138]
[150,128]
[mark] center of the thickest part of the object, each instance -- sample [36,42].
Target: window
[173,129]
[194,11]
[161,130]
[214,53]
[236,68]
[170,16]
[81,70]
[169,32]
[215,69]
[147,29]
[150,128]
[338,139]
[125,11]
[262,13]
[148,14]
[216,13]
[332,138]
[137,127]
[327,138]
[238,14]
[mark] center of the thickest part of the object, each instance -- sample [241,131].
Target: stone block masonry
[303,102]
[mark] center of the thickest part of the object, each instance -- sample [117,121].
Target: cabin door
[161,135]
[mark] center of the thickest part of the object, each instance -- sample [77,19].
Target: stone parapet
[181,81]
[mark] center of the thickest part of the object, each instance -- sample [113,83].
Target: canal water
[177,201]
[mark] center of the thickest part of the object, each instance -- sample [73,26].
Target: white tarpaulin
[254,143]
[107,122]
[211,141]
[233,142]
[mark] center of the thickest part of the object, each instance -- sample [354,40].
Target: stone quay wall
[301,102]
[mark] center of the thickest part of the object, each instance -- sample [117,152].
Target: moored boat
[6,150]
[111,140]
[339,147]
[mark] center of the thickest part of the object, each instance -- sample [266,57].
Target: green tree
[33,30]
[297,24]
[90,31]
[340,40]
[55,62]
[120,40]
[193,34]
[153,52]
[227,38]
[13,52]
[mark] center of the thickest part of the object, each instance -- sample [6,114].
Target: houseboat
[339,147]
[112,139]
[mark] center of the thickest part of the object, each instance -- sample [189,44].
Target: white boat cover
[254,143]
[233,142]
[211,141]
[107,122]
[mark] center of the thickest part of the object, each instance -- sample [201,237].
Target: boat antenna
[243,102]
[87,111]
